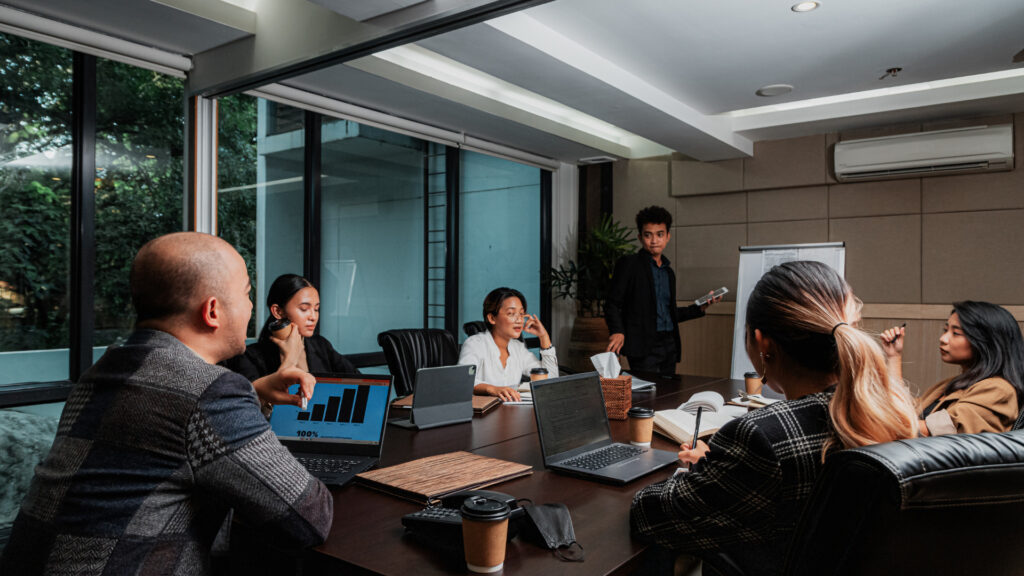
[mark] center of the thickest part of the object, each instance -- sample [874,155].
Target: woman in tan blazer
[985,341]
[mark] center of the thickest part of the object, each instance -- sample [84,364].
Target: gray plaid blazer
[153,447]
[745,498]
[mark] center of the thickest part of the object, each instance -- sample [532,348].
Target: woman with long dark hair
[985,341]
[747,486]
[289,334]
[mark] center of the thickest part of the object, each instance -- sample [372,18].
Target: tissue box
[618,396]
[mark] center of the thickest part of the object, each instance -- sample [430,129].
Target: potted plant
[587,280]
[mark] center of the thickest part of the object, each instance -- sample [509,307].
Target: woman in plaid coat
[746,488]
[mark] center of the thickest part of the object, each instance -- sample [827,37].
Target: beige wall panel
[707,257]
[707,346]
[788,204]
[966,192]
[690,177]
[796,232]
[830,144]
[787,163]
[883,256]
[637,184]
[973,255]
[875,198]
[711,209]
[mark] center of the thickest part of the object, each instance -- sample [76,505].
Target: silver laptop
[575,437]
[443,396]
[341,433]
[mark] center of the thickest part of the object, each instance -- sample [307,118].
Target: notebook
[444,395]
[341,432]
[575,437]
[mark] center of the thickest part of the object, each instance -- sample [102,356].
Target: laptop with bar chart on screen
[341,433]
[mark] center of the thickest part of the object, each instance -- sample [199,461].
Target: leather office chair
[474,327]
[1019,424]
[408,350]
[940,505]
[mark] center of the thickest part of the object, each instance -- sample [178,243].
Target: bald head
[173,273]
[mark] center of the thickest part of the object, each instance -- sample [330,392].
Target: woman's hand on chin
[290,344]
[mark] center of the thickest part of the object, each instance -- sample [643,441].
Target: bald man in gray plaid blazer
[157,442]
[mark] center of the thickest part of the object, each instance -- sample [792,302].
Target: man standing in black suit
[641,311]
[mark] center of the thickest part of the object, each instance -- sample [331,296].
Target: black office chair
[474,327]
[1019,424]
[942,505]
[408,350]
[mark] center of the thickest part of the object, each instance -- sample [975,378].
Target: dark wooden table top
[368,537]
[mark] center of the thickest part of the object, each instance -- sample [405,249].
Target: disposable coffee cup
[484,534]
[538,373]
[752,382]
[641,426]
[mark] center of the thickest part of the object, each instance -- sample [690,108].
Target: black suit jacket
[631,308]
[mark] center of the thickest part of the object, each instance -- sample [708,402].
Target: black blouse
[264,357]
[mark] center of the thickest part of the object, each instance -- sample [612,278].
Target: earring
[764,367]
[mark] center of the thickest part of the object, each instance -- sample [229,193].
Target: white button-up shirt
[481,351]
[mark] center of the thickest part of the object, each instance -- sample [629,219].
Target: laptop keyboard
[326,465]
[604,457]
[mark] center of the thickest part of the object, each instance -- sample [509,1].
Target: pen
[897,337]
[696,428]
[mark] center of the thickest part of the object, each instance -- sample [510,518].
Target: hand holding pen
[696,449]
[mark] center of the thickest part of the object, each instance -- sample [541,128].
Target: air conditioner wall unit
[975,149]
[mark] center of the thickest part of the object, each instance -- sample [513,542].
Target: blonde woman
[744,492]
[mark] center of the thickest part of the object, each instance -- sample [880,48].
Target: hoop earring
[764,368]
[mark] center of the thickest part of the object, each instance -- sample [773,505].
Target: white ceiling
[676,74]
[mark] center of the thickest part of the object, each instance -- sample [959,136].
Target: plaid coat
[153,447]
[745,498]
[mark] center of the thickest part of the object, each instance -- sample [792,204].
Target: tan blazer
[986,406]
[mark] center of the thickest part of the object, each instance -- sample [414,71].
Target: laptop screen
[344,409]
[570,412]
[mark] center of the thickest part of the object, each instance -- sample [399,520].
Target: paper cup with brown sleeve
[641,425]
[484,533]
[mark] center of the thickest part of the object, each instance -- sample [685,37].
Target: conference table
[367,536]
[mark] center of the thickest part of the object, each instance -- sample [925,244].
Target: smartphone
[279,324]
[707,297]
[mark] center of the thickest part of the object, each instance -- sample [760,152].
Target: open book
[678,423]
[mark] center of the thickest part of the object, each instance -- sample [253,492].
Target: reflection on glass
[499,229]
[35,179]
[259,190]
[372,234]
[236,179]
[139,140]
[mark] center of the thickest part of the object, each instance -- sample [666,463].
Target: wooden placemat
[434,477]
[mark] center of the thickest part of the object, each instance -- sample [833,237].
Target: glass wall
[35,209]
[499,230]
[372,234]
[139,150]
[260,202]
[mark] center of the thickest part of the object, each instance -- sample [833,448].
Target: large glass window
[372,234]
[139,150]
[499,229]
[35,187]
[260,202]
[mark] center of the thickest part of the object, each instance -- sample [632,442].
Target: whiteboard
[754,262]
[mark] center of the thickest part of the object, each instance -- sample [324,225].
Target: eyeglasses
[516,317]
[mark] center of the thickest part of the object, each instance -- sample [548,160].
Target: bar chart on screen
[349,407]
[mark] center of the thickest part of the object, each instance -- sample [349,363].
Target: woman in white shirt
[501,359]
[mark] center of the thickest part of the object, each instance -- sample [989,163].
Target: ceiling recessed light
[774,90]
[804,6]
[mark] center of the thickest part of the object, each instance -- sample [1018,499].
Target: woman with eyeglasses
[985,341]
[500,357]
